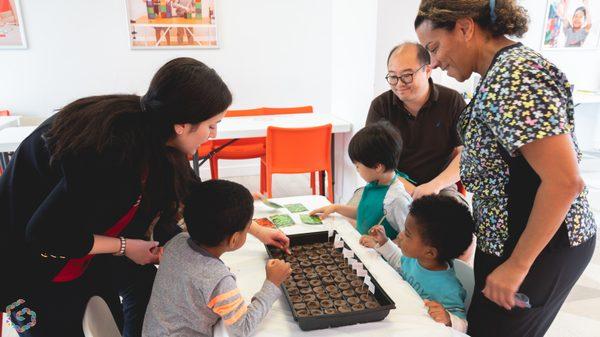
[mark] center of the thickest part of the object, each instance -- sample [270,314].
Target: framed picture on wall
[164,24]
[572,24]
[12,32]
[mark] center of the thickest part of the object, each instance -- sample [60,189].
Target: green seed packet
[310,219]
[296,208]
[282,220]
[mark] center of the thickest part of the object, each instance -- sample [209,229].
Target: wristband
[121,251]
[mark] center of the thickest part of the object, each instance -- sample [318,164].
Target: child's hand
[278,271]
[158,251]
[438,313]
[368,241]
[324,211]
[378,234]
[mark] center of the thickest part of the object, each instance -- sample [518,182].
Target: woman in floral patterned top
[535,231]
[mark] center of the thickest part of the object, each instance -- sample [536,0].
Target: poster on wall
[572,24]
[12,33]
[164,24]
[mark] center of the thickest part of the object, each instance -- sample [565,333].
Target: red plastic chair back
[297,150]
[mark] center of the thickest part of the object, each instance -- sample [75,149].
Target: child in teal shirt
[375,150]
[437,230]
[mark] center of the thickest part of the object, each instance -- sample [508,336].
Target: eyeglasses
[406,78]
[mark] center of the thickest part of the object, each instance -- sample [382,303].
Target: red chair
[298,150]
[248,148]
[203,151]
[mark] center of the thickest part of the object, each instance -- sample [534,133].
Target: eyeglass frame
[400,78]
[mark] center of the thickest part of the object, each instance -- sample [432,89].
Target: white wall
[273,52]
[354,31]
[328,53]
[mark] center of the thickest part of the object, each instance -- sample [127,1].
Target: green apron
[370,209]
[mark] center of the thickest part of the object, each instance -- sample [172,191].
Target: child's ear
[431,252]
[233,241]
[380,168]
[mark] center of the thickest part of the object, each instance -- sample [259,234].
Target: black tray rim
[382,308]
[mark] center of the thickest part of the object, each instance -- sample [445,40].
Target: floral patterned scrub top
[522,98]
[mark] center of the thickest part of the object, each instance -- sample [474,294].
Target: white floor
[579,316]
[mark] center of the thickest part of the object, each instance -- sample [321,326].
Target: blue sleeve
[454,300]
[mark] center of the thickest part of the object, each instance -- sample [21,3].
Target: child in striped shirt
[194,289]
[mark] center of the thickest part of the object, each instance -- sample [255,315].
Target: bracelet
[121,251]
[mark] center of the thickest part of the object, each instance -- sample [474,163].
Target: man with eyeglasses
[426,114]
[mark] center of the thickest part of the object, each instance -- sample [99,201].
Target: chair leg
[322,182]
[262,177]
[269,177]
[214,168]
[330,186]
[313,186]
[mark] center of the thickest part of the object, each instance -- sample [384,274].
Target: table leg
[167,29]
[196,164]
[4,159]
[322,173]
[333,165]
[192,33]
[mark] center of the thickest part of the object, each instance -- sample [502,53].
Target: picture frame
[172,24]
[12,28]
[571,25]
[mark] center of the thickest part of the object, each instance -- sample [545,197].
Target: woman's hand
[438,313]
[503,283]
[425,189]
[324,211]
[141,252]
[271,236]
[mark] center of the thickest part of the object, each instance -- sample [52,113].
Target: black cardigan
[49,214]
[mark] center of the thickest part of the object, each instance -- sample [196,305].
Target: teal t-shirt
[370,209]
[441,286]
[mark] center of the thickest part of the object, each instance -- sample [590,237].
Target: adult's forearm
[451,174]
[105,245]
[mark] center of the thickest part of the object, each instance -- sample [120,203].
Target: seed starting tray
[323,291]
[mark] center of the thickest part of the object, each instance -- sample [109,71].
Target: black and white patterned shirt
[522,98]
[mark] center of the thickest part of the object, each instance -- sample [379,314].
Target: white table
[584,97]
[256,126]
[9,121]
[10,139]
[410,317]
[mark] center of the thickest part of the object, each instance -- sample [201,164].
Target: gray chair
[98,321]
[465,275]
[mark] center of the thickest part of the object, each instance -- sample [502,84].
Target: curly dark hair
[444,223]
[216,209]
[511,19]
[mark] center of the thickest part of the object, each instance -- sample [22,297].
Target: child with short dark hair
[194,288]
[375,150]
[437,230]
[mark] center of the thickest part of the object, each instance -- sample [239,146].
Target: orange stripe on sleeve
[241,311]
[223,297]
[227,308]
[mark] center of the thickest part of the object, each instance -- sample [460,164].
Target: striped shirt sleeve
[240,319]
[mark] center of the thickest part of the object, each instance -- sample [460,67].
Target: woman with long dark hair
[535,230]
[91,193]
